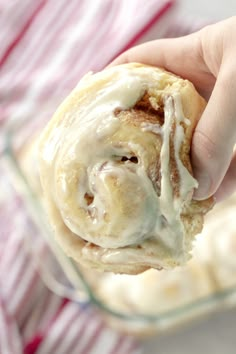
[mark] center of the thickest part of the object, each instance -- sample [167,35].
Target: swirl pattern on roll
[116,172]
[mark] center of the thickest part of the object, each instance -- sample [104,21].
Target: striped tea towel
[45,48]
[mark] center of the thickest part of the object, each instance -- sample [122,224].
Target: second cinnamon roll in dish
[116,173]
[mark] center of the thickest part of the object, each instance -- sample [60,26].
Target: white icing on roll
[81,159]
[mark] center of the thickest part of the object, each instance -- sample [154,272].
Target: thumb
[214,137]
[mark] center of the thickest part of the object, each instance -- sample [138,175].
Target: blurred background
[213,10]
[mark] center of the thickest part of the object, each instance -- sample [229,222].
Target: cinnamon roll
[154,292]
[116,172]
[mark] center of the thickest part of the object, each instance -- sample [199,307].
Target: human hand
[208,59]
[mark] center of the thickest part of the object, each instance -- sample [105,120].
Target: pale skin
[208,59]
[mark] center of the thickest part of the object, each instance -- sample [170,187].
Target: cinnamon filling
[132,159]
[145,112]
[89,198]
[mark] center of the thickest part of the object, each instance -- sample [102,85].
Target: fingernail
[203,190]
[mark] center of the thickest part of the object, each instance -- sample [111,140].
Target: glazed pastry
[116,172]
[155,292]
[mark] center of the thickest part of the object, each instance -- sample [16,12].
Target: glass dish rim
[172,314]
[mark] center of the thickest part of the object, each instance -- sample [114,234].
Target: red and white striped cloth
[45,47]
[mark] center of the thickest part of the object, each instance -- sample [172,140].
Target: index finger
[182,56]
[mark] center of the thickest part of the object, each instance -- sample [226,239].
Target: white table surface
[215,334]
[212,335]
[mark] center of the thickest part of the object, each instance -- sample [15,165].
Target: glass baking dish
[63,276]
